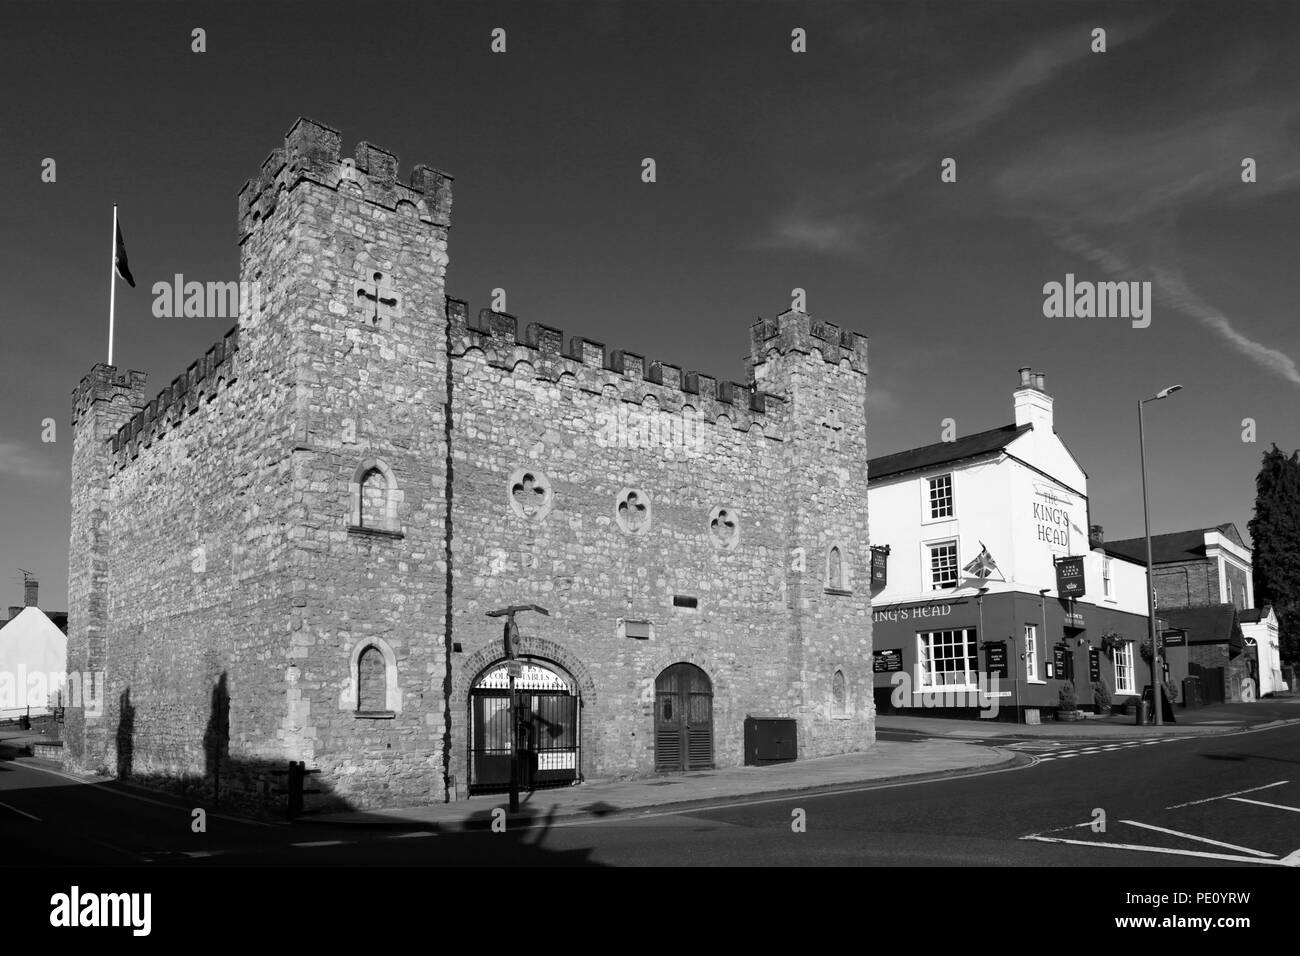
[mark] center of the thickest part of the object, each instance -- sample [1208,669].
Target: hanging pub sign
[886,660]
[879,566]
[1069,577]
[995,659]
[1094,664]
[1174,638]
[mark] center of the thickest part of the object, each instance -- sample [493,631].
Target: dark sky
[775,170]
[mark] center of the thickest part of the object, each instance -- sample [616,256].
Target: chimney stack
[14,612]
[1033,405]
[30,586]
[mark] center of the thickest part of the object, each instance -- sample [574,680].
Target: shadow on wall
[216,738]
[255,786]
[125,735]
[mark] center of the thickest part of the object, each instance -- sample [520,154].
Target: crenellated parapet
[596,369]
[105,383]
[311,154]
[199,383]
[799,332]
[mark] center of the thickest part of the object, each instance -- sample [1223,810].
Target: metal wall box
[770,740]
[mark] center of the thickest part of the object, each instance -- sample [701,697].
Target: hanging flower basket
[1111,640]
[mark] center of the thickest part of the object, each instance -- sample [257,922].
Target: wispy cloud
[1173,285]
[1125,177]
[844,234]
[17,461]
[975,103]
[1170,285]
[1114,198]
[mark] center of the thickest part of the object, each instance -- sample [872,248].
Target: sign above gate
[531,677]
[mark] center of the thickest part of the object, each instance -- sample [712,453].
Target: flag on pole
[119,259]
[983,566]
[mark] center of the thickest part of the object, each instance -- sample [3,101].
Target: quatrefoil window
[632,511]
[530,494]
[724,528]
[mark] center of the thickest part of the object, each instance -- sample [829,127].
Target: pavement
[910,749]
[884,761]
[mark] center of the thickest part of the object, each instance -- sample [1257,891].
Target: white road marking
[21,813]
[635,815]
[323,843]
[1200,839]
[1261,803]
[1225,796]
[22,762]
[1292,860]
[409,836]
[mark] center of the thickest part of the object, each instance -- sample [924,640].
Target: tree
[1275,531]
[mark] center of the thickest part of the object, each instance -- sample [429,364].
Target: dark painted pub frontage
[942,655]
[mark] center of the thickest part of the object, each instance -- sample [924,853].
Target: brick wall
[1187,584]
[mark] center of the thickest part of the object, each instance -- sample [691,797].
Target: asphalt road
[1220,801]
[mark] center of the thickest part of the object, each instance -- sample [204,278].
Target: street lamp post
[510,637]
[1146,520]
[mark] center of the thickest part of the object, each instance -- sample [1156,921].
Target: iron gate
[547,737]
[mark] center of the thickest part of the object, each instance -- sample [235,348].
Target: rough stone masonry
[289,552]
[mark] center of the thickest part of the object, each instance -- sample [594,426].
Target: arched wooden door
[683,719]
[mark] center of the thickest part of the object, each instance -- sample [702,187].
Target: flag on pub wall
[983,565]
[119,260]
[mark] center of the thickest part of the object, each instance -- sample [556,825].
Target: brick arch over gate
[538,647]
[535,647]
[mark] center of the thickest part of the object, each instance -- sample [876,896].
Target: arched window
[839,695]
[372,681]
[835,570]
[375,497]
[371,689]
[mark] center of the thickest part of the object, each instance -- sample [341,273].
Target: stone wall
[301,494]
[595,489]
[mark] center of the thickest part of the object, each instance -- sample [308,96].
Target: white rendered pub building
[969,537]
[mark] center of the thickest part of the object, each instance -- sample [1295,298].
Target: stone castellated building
[289,553]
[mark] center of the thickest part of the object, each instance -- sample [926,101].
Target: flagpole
[112,284]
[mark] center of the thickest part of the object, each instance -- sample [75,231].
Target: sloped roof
[1208,624]
[1229,531]
[1165,548]
[1171,548]
[941,453]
